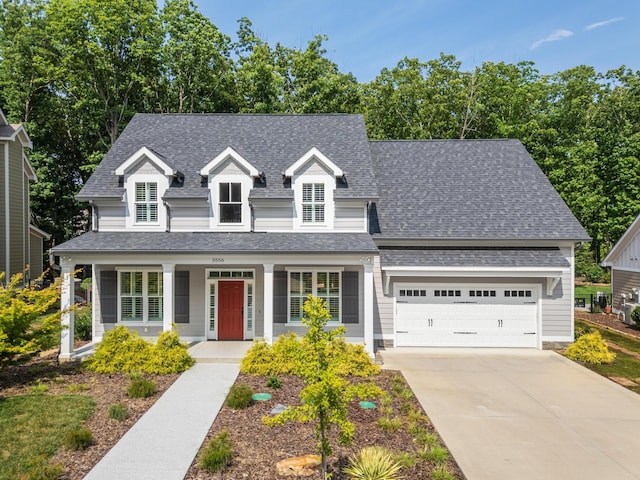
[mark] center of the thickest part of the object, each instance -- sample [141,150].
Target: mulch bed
[258,447]
[105,390]
[610,321]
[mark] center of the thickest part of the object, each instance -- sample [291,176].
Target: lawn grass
[588,289]
[624,365]
[33,426]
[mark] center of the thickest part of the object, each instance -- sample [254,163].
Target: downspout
[166,205]
[95,226]
[252,217]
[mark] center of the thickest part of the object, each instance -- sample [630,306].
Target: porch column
[368,309]
[168,270]
[67,297]
[268,303]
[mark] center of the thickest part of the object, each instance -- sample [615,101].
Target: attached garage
[471,315]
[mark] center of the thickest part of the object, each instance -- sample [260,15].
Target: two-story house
[21,244]
[223,224]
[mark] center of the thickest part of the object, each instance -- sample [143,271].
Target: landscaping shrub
[141,387]
[217,454]
[635,316]
[123,350]
[239,396]
[82,323]
[373,463]
[274,382]
[41,469]
[441,472]
[437,454]
[118,411]
[78,439]
[590,348]
[389,425]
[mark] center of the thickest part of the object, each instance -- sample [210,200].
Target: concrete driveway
[524,414]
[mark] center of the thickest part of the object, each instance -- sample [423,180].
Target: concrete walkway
[524,414]
[164,442]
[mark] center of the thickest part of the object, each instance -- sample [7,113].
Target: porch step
[219,352]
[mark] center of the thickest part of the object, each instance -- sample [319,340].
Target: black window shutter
[350,297]
[280,296]
[181,297]
[109,296]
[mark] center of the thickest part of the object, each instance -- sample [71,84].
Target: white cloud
[560,34]
[603,23]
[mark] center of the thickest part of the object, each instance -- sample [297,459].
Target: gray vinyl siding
[197,301]
[144,168]
[623,281]
[273,217]
[3,219]
[18,211]
[35,256]
[383,305]
[629,257]
[557,309]
[111,217]
[192,218]
[350,218]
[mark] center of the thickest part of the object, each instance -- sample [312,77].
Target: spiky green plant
[373,463]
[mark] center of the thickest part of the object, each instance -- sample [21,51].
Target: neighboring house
[21,244]
[223,224]
[624,260]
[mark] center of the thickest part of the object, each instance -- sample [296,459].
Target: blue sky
[368,35]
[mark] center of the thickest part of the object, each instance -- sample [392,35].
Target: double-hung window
[313,203]
[230,200]
[140,296]
[146,202]
[322,284]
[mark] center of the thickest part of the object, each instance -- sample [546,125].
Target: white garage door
[466,316]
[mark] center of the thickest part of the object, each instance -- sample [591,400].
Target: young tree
[327,394]
[26,326]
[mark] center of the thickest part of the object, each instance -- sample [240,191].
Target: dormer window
[313,202]
[230,202]
[146,202]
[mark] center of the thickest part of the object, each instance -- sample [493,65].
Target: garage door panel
[464,321]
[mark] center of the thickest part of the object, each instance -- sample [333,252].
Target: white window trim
[315,272]
[145,296]
[329,183]
[146,202]
[130,202]
[246,183]
[248,332]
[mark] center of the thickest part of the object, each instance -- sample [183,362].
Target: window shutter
[181,306]
[350,299]
[279,296]
[109,296]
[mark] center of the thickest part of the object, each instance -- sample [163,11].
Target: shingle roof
[473,257]
[271,143]
[466,189]
[215,242]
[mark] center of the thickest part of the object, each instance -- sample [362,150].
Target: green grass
[624,365]
[586,290]
[33,426]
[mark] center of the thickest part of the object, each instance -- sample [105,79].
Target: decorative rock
[279,408]
[303,466]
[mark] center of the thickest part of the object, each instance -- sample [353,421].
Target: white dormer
[230,179]
[313,180]
[147,177]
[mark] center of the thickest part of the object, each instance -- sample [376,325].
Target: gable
[626,252]
[145,155]
[229,158]
[313,157]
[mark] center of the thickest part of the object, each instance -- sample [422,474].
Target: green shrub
[389,425]
[590,348]
[168,355]
[291,355]
[635,316]
[78,439]
[141,388]
[595,274]
[406,459]
[437,454]
[580,331]
[217,454]
[41,469]
[274,382]
[123,350]
[373,463]
[118,411]
[39,388]
[78,387]
[239,396]
[441,472]
[82,323]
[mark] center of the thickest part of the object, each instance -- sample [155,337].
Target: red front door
[230,310]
